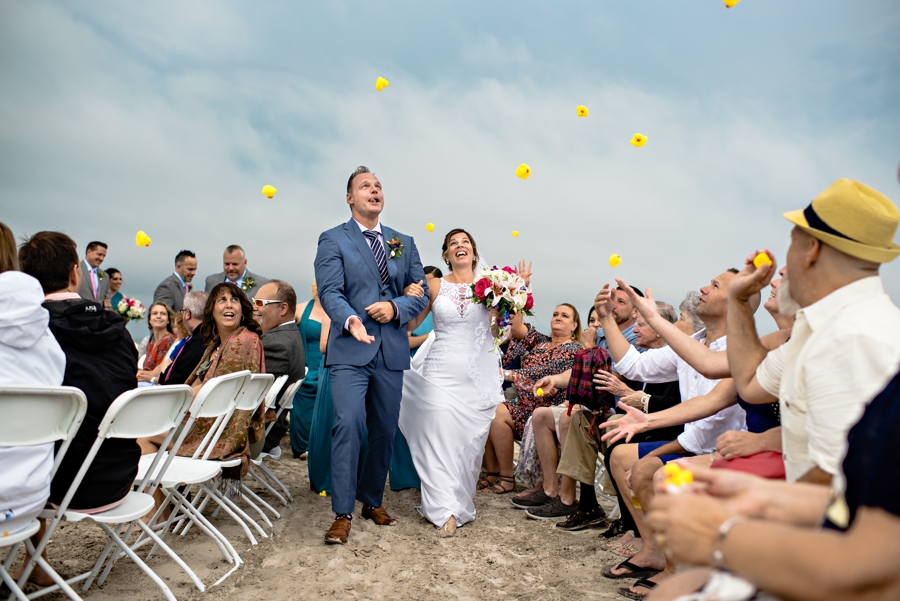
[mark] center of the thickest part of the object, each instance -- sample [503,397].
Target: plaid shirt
[581,383]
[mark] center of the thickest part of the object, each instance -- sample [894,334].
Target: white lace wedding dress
[449,397]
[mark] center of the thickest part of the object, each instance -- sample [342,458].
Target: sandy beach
[502,554]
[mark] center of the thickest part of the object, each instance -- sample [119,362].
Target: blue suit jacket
[349,281]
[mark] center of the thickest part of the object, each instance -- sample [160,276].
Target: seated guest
[100,360]
[795,541]
[174,288]
[541,355]
[186,359]
[664,365]
[160,321]
[115,287]
[688,322]
[233,345]
[27,344]
[234,271]
[276,302]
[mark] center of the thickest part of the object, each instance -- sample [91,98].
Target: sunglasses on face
[261,302]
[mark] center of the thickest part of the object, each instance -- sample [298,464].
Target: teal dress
[115,300]
[305,399]
[403,472]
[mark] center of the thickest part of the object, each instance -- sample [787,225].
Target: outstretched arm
[604,303]
[745,350]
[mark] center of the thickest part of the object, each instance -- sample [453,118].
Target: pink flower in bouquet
[481,286]
[529,303]
[509,269]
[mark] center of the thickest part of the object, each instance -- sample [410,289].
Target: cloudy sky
[169,117]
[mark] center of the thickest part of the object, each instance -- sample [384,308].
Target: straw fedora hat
[854,219]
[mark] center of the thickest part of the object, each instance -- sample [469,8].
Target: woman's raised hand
[524,272]
[415,289]
[589,337]
[633,422]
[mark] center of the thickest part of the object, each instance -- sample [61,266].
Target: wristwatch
[645,403]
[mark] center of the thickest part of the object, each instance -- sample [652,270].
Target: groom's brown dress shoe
[337,534]
[378,515]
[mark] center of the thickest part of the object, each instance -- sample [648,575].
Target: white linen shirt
[664,365]
[843,350]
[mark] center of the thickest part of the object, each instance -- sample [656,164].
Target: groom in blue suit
[362,268]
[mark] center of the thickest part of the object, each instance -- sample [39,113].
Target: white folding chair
[37,415]
[134,414]
[249,399]
[215,400]
[258,469]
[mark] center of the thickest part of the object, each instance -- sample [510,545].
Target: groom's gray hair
[359,171]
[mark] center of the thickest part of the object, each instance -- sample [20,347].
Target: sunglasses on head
[261,302]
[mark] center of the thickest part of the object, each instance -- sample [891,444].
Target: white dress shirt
[664,365]
[843,350]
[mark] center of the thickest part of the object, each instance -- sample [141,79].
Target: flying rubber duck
[429,227]
[269,191]
[523,171]
[142,239]
[614,260]
[381,83]
[515,234]
[638,140]
[581,110]
[731,3]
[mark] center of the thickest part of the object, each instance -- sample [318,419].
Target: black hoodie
[101,360]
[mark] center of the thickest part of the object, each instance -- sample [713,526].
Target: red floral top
[538,359]
[157,350]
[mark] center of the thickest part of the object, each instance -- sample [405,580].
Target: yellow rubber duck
[539,392]
[381,83]
[142,239]
[323,494]
[515,234]
[638,140]
[429,227]
[761,259]
[677,476]
[581,110]
[731,3]
[614,260]
[269,191]
[523,171]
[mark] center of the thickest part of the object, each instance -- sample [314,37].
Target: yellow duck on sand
[614,260]
[582,111]
[523,171]
[142,239]
[381,83]
[638,140]
[269,191]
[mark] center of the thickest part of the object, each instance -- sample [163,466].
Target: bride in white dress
[451,391]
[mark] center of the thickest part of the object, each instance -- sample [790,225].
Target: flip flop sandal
[643,582]
[499,487]
[636,571]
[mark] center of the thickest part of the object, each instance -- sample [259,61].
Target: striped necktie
[378,251]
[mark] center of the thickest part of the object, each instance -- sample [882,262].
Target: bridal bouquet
[503,291]
[130,308]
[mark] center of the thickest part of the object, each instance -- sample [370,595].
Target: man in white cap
[845,344]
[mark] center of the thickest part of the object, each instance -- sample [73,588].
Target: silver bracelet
[718,556]
[645,403]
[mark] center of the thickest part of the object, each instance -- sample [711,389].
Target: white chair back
[272,395]
[216,396]
[254,392]
[144,412]
[287,399]
[40,414]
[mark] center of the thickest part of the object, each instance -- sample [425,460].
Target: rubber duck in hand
[761,259]
[677,477]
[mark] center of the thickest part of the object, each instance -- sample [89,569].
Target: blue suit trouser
[369,396]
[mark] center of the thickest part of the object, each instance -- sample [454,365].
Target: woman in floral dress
[233,346]
[540,355]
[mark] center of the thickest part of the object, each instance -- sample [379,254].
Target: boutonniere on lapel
[100,275]
[247,284]
[396,247]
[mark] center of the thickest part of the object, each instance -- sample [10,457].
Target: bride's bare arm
[323,339]
[434,287]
